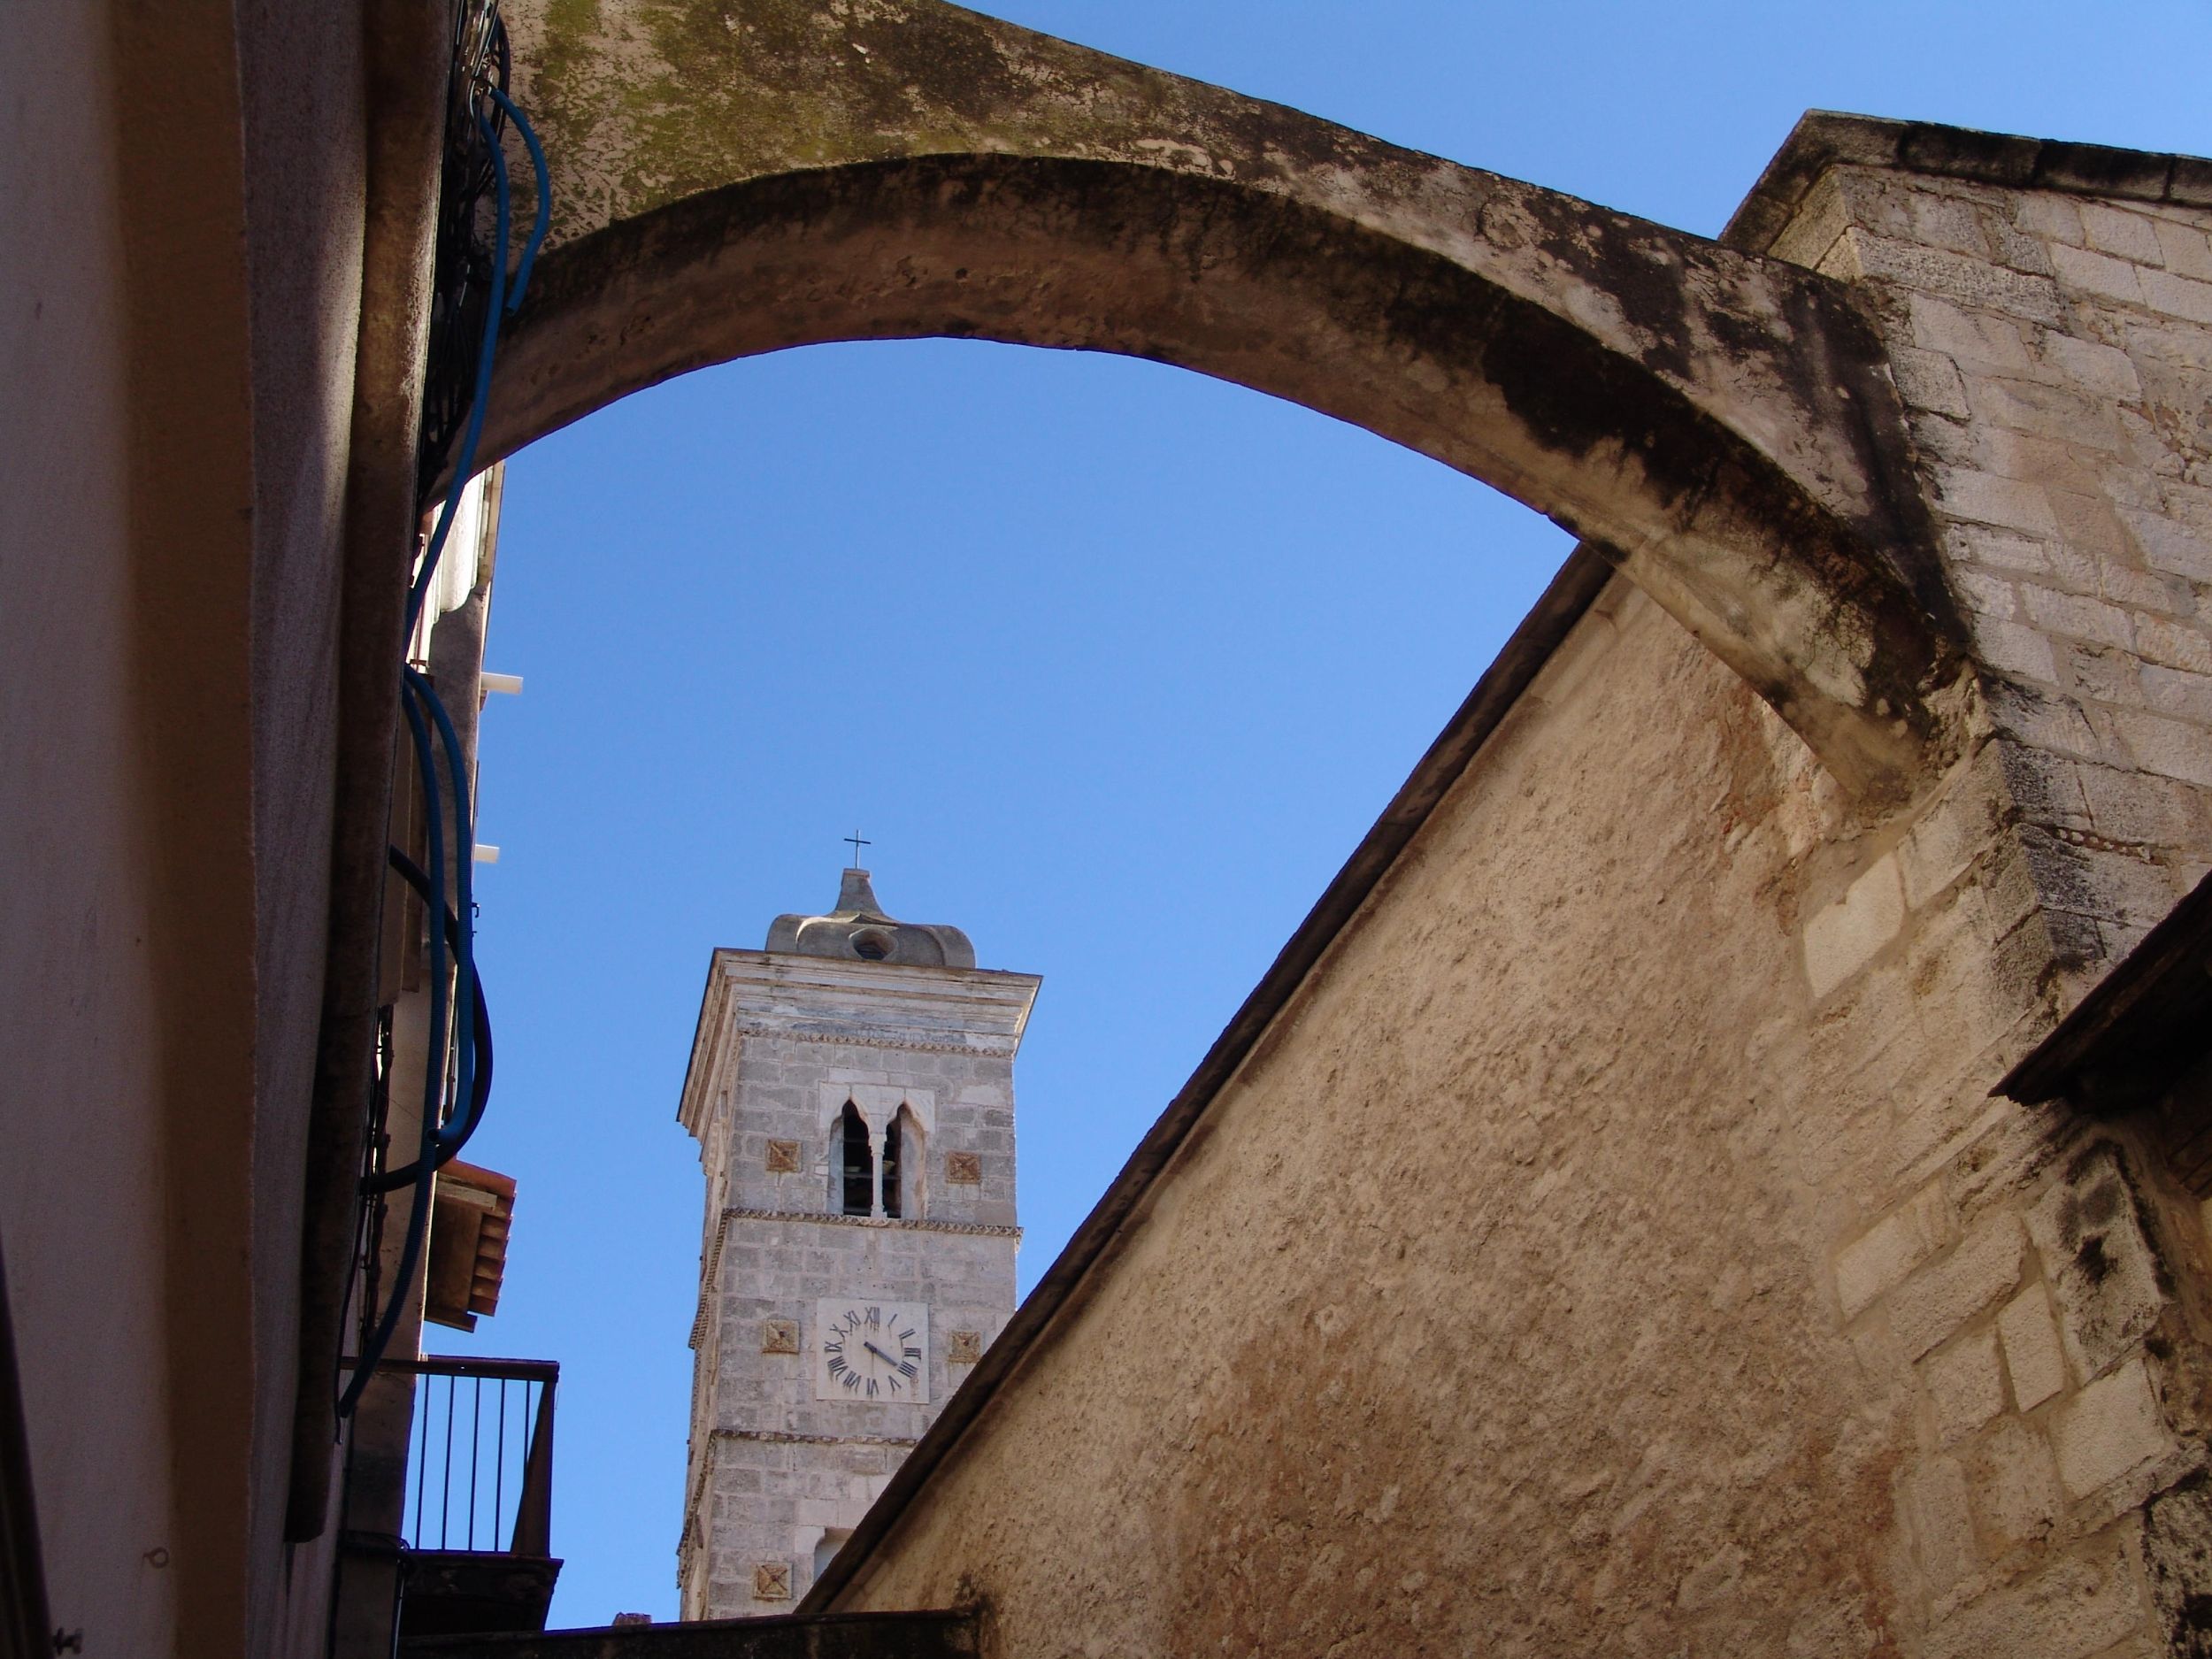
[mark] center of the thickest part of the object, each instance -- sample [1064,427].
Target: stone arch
[906,1166]
[755,174]
[852,1145]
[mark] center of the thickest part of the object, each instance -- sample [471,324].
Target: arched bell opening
[905,1166]
[852,1165]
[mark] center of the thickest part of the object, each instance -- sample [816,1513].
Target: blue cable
[448,1141]
[543,216]
[391,1180]
[442,1140]
[452,927]
[464,458]
[434,822]
[502,304]
[424,1171]
[464,953]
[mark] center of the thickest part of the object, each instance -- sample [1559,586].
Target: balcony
[476,1539]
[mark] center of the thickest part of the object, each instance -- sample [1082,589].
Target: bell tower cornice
[874,1004]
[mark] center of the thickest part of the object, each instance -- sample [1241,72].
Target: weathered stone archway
[749,175]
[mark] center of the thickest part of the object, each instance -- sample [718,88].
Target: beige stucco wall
[1562,1274]
[73,964]
[181,259]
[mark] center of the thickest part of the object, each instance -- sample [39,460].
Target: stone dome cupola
[858,930]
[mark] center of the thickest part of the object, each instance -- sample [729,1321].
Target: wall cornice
[1824,140]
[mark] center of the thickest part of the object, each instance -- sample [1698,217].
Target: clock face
[874,1352]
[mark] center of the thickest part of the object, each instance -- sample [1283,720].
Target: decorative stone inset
[967,1346]
[964,1168]
[783,1157]
[780,1336]
[772,1581]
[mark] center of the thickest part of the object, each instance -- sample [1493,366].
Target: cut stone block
[2109,1429]
[1841,939]
[1881,1257]
[1944,1295]
[2032,1353]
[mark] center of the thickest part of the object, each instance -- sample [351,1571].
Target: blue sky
[1112,663]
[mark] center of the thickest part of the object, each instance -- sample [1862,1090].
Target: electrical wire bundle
[474,295]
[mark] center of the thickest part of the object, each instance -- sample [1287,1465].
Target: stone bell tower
[851,1087]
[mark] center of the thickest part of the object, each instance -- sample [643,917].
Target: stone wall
[1615,1247]
[2055,351]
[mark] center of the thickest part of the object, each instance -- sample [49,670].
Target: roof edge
[1562,605]
[1823,139]
[703,1035]
[794,963]
[707,1030]
[2124,1044]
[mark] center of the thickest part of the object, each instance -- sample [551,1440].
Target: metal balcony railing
[482,1475]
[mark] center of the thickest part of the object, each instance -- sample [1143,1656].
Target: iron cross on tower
[855,838]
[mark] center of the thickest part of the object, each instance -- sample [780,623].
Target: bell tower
[851,1088]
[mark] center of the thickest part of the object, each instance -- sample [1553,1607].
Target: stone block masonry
[1599,1235]
[2055,352]
[2038,1416]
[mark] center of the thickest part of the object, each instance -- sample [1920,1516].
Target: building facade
[852,1090]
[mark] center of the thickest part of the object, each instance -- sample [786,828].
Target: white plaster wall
[179,259]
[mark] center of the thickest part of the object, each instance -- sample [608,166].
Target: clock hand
[880,1354]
